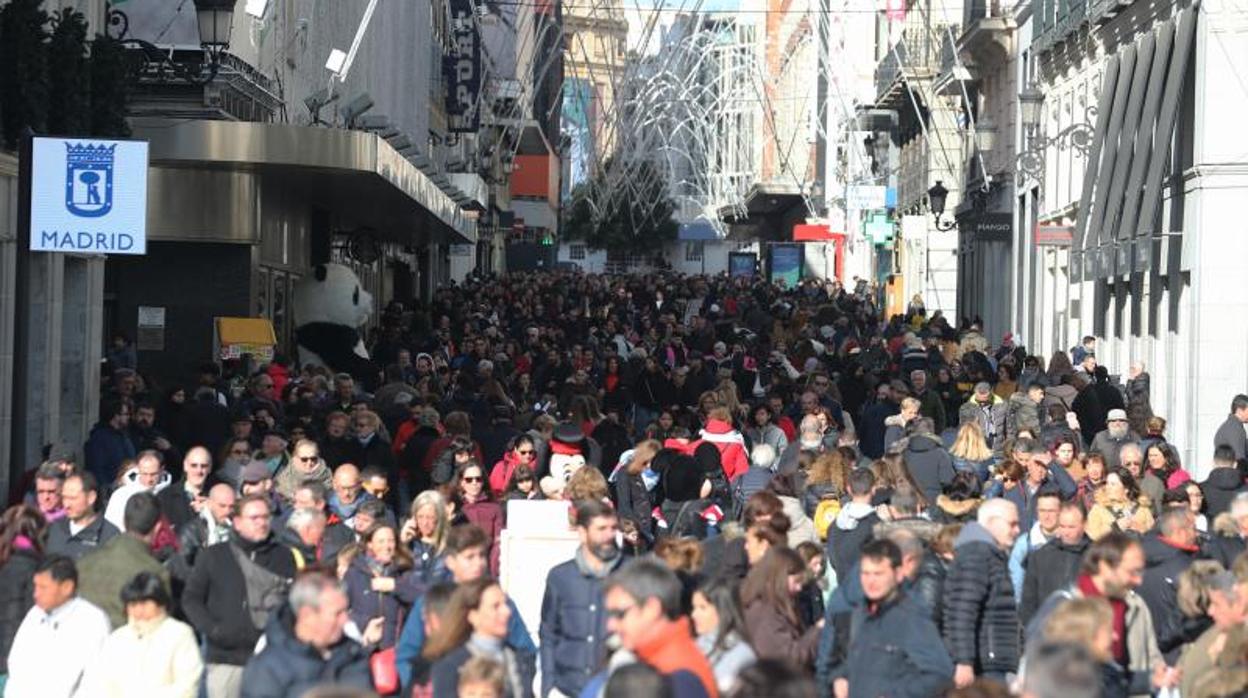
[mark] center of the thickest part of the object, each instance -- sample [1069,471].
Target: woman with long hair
[522,485]
[1119,507]
[381,581]
[825,479]
[424,533]
[720,626]
[890,470]
[473,502]
[474,624]
[21,549]
[970,450]
[768,596]
[1163,461]
[521,451]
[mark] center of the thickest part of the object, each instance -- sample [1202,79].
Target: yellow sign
[245,335]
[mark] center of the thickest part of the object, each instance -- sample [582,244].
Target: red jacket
[731,447]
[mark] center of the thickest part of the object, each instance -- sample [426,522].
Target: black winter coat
[1163,563]
[633,502]
[1052,566]
[16,598]
[1220,488]
[288,668]
[215,599]
[1224,549]
[981,624]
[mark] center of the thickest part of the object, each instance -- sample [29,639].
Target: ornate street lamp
[936,197]
[1078,136]
[216,22]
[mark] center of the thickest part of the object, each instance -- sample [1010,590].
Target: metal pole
[21,323]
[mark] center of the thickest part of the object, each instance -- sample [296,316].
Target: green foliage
[23,69]
[622,211]
[50,82]
[109,81]
[69,76]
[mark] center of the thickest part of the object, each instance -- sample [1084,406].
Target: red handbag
[382,665]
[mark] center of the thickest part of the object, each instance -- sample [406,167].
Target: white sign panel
[88,196]
[860,197]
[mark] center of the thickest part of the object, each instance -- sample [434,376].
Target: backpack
[825,516]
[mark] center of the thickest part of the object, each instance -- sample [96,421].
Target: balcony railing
[917,55]
[1056,20]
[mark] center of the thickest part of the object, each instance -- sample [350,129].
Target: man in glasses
[643,610]
[306,464]
[251,566]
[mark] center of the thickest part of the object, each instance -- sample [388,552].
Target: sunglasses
[525,453]
[618,613]
[471,478]
[307,459]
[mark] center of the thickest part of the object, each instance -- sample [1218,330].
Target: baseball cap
[1116,416]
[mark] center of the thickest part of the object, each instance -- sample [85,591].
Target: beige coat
[1104,514]
[163,662]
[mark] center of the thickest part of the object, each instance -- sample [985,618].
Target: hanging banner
[786,264]
[461,68]
[741,265]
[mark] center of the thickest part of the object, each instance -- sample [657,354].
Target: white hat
[1116,416]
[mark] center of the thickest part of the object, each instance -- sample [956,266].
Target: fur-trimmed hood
[958,509]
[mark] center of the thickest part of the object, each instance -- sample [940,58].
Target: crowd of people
[775,492]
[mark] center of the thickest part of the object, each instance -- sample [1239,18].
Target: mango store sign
[88,196]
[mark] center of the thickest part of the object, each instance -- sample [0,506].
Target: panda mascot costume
[329,308]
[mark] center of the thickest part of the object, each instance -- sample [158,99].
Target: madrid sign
[88,196]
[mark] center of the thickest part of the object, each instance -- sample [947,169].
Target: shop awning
[356,171]
[1130,150]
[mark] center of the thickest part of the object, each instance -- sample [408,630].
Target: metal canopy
[350,166]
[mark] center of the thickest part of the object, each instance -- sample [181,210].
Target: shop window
[576,252]
[693,251]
